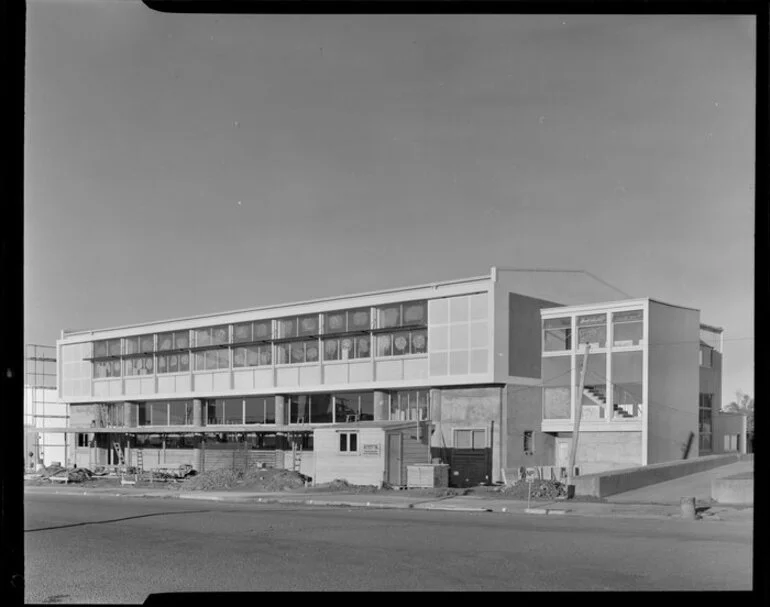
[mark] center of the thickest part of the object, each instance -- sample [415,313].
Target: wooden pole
[576,427]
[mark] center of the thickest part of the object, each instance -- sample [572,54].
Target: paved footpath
[394,500]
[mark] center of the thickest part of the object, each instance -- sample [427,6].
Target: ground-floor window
[83,440]
[705,415]
[410,405]
[310,408]
[470,438]
[354,406]
[348,442]
[529,444]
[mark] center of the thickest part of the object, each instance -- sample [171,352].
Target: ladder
[140,460]
[118,452]
[297,455]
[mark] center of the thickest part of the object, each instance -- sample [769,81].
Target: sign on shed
[371,449]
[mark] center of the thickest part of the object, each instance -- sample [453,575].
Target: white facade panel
[416,368]
[388,370]
[310,376]
[243,379]
[133,386]
[287,376]
[336,374]
[221,380]
[360,372]
[203,382]
[264,378]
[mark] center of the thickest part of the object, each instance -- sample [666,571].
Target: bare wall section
[673,383]
[524,414]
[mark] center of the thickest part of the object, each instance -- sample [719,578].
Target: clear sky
[186,164]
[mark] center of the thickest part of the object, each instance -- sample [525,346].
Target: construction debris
[541,490]
[266,480]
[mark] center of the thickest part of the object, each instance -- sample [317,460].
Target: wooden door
[394,459]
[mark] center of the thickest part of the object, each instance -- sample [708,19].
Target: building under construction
[42,409]
[478,373]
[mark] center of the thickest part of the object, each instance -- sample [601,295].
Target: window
[343,348]
[401,343]
[627,394]
[252,356]
[173,363]
[402,314]
[138,366]
[158,413]
[215,412]
[347,320]
[141,344]
[627,328]
[705,356]
[180,413]
[529,445]
[354,407]
[144,414]
[705,419]
[174,340]
[83,440]
[106,368]
[472,438]
[260,410]
[557,387]
[410,405]
[212,336]
[295,352]
[557,334]
[348,442]
[259,330]
[107,347]
[211,360]
[592,330]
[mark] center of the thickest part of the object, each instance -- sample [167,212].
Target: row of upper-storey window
[394,316]
[396,343]
[627,330]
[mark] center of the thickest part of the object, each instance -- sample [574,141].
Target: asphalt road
[118,550]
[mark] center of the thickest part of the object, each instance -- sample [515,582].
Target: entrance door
[394,459]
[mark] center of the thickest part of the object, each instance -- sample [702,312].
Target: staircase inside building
[598,394]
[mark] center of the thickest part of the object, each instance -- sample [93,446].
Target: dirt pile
[73,475]
[261,480]
[541,490]
[343,486]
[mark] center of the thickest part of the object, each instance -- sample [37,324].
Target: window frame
[346,435]
[553,330]
[472,430]
[592,326]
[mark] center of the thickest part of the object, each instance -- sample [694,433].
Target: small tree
[743,404]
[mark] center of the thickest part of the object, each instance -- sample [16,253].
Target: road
[118,550]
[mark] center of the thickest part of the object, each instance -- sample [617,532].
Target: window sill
[401,357]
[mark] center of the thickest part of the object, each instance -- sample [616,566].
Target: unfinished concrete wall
[673,382]
[83,415]
[471,408]
[363,467]
[524,414]
[603,451]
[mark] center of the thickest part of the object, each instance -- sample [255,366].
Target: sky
[187,164]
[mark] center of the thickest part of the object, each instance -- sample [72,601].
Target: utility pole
[576,427]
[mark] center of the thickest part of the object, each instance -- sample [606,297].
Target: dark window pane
[252,356]
[347,407]
[234,411]
[239,357]
[173,363]
[415,313]
[358,320]
[265,355]
[115,368]
[242,332]
[211,359]
[162,364]
[298,352]
[131,345]
[321,408]
[223,359]
[263,329]
[255,410]
[390,316]
[270,410]
[184,362]
[353,442]
[308,325]
[114,347]
[282,354]
[367,406]
[159,414]
[343,441]
[203,337]
[181,339]
[400,343]
[311,351]
[144,414]
[384,344]
[362,347]
[334,322]
[331,349]
[287,327]
[146,343]
[419,342]
[221,335]
[100,348]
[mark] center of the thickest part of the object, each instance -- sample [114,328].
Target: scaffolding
[42,408]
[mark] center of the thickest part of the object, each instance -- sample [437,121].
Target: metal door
[469,467]
[394,459]
[562,452]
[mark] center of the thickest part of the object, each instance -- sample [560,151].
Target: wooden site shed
[369,453]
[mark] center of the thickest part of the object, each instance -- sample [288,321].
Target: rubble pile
[73,475]
[266,480]
[541,489]
[343,486]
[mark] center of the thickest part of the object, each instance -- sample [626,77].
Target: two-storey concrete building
[470,371]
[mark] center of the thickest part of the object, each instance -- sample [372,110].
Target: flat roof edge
[441,283]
